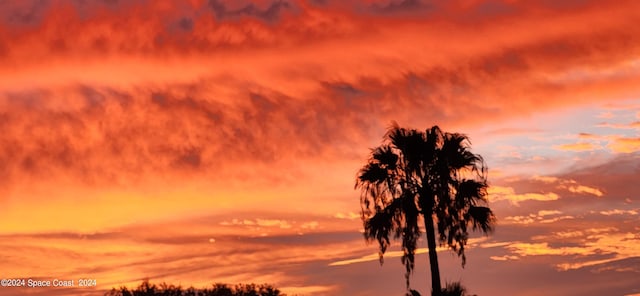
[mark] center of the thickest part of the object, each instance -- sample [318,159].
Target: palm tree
[430,175]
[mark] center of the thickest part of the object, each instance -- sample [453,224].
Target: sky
[196,142]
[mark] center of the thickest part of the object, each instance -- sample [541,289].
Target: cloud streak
[122,107]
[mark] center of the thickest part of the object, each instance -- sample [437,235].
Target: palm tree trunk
[433,255]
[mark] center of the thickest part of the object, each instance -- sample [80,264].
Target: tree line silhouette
[218,289]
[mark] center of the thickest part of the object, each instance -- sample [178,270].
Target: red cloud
[124,91]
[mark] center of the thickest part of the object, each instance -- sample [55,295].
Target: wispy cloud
[497,193]
[540,217]
[625,145]
[619,212]
[632,125]
[580,146]
[585,189]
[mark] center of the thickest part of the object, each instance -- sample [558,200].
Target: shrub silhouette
[218,289]
[451,289]
[454,289]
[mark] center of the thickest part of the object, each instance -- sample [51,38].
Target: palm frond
[373,173]
[385,157]
[482,218]
[470,192]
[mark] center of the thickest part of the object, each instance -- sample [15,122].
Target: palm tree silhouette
[432,174]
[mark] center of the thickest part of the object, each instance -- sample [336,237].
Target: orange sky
[218,141]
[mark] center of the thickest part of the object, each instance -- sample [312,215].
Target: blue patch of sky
[533,142]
